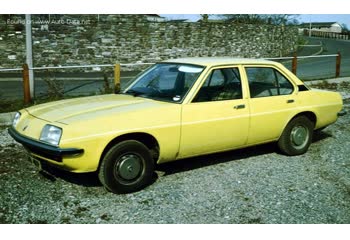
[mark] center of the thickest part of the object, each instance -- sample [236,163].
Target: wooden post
[117,78]
[26,88]
[337,65]
[294,64]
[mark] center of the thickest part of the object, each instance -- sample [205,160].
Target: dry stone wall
[88,39]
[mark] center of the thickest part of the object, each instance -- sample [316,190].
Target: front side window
[166,82]
[221,84]
[265,82]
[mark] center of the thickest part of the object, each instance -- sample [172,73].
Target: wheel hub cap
[129,167]
[299,135]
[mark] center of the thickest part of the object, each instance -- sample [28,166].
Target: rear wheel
[127,167]
[297,136]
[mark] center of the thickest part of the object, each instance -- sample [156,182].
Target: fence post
[337,65]
[26,87]
[294,63]
[117,78]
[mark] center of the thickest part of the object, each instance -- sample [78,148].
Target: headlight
[16,119]
[51,134]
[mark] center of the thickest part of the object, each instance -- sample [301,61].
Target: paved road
[320,68]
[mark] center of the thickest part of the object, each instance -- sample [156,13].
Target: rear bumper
[42,149]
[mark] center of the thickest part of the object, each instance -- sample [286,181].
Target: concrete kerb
[6,118]
[314,54]
[318,52]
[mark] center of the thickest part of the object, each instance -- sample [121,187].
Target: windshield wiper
[134,92]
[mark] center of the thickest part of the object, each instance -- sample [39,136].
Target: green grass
[15,105]
[325,85]
[7,105]
[331,86]
[11,105]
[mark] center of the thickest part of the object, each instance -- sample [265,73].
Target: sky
[309,10]
[340,18]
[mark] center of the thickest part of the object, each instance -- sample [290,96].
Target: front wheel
[297,136]
[127,167]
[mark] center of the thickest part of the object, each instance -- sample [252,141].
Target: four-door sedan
[176,109]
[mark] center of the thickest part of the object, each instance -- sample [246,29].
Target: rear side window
[266,82]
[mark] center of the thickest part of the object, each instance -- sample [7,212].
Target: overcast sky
[337,10]
[341,18]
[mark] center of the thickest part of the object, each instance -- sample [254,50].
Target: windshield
[166,82]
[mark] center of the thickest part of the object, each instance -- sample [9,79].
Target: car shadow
[217,158]
[91,179]
[192,163]
[320,135]
[83,179]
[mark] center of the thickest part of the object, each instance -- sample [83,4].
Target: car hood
[66,111]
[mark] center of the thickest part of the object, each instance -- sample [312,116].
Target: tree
[205,17]
[285,19]
[344,28]
[243,18]
[275,19]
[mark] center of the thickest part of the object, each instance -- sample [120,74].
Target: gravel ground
[253,185]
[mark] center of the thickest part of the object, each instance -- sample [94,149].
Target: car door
[217,118]
[273,100]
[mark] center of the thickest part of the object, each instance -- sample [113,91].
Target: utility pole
[29,54]
[310,29]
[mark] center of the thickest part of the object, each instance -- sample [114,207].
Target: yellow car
[176,109]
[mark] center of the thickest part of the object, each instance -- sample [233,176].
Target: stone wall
[86,39]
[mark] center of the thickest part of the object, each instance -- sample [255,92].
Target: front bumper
[42,149]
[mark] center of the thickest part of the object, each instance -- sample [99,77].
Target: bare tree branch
[275,19]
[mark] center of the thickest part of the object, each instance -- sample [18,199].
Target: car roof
[212,61]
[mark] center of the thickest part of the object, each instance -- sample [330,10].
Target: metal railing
[10,69]
[295,61]
[91,66]
[303,57]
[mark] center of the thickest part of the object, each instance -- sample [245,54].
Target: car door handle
[290,100]
[241,106]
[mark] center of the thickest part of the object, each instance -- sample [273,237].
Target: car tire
[127,167]
[297,136]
